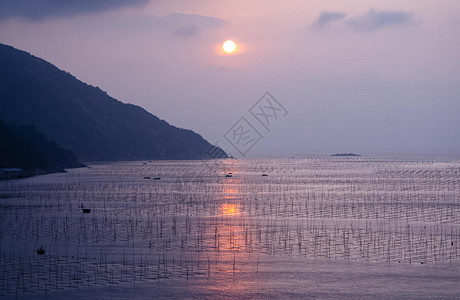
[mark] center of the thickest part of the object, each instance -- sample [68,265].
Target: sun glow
[229,46]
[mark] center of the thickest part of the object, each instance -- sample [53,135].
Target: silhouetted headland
[84,119]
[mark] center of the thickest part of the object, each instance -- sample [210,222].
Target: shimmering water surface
[313,227]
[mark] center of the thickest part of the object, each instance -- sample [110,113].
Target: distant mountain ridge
[83,118]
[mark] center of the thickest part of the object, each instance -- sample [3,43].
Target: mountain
[84,119]
[23,147]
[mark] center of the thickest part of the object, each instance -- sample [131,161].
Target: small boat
[264,174]
[86,210]
[157,178]
[228,175]
[146,177]
[41,251]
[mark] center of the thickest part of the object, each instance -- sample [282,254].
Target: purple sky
[354,75]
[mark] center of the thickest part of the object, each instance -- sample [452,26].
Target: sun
[229,46]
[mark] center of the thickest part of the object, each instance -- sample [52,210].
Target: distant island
[86,120]
[345,154]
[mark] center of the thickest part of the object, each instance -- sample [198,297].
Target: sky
[352,76]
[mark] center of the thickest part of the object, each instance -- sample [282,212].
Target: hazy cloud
[186,25]
[376,19]
[179,25]
[370,21]
[185,31]
[327,17]
[37,10]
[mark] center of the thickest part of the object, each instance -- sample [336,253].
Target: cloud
[185,31]
[38,10]
[186,25]
[370,21]
[178,25]
[327,17]
[376,19]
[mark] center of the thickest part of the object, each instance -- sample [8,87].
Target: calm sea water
[317,227]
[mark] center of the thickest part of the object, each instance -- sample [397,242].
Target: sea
[294,226]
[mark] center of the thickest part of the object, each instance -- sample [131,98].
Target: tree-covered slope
[84,118]
[25,148]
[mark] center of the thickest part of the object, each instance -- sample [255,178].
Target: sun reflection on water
[230,194]
[228,209]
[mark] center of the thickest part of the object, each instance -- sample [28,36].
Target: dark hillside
[25,148]
[84,118]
